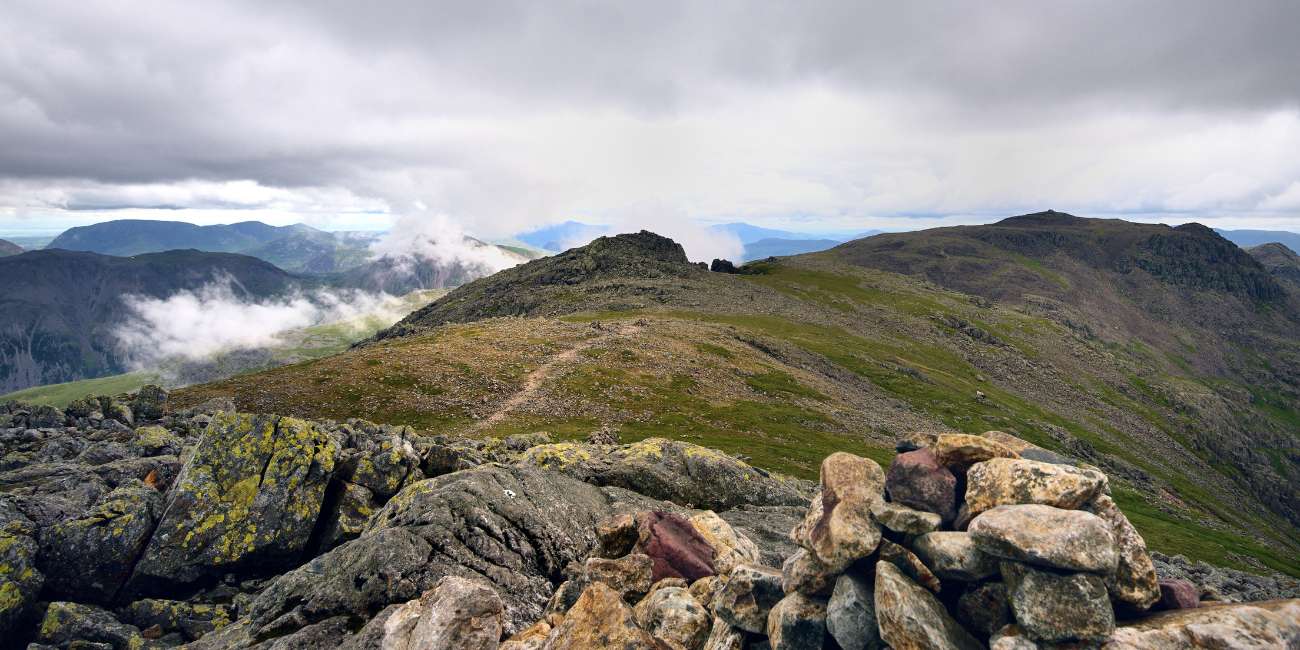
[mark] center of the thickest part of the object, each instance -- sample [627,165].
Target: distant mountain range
[758,242]
[9,248]
[1248,238]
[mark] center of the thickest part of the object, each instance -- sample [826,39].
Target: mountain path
[533,382]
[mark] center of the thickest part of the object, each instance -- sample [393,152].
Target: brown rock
[672,615]
[798,622]
[616,536]
[630,575]
[804,573]
[1047,536]
[725,637]
[676,547]
[1011,481]
[600,619]
[730,548]
[953,556]
[911,618]
[983,608]
[907,521]
[1178,594]
[917,480]
[531,638]
[1055,607]
[457,613]
[959,451]
[909,564]
[1271,624]
[842,530]
[704,589]
[1134,580]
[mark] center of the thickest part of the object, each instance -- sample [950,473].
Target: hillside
[810,354]
[124,237]
[1280,261]
[58,308]
[8,248]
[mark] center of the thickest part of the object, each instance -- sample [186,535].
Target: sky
[500,117]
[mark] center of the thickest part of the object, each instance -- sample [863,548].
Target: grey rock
[768,527]
[851,614]
[798,622]
[747,596]
[1055,607]
[66,623]
[20,580]
[1047,536]
[90,557]
[953,555]
[983,608]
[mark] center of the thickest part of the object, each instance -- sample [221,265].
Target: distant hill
[1282,262]
[772,247]
[1248,238]
[58,308]
[748,234]
[9,248]
[562,236]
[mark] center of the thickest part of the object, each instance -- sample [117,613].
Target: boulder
[910,617]
[851,614]
[917,480]
[1272,624]
[191,620]
[729,547]
[352,507]
[457,613]
[249,498]
[90,557]
[1134,580]
[959,451]
[798,622]
[20,580]
[600,620]
[154,440]
[841,531]
[532,638]
[616,536]
[671,614]
[724,637]
[68,623]
[379,458]
[631,575]
[747,596]
[904,520]
[1056,607]
[983,608]
[953,555]
[675,546]
[1012,481]
[909,564]
[804,573]
[1046,536]
[1178,594]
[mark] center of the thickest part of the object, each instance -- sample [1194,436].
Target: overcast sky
[503,116]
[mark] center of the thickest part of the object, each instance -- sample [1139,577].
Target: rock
[907,521]
[149,403]
[983,608]
[909,564]
[249,497]
[804,573]
[457,613]
[20,581]
[630,575]
[1011,637]
[910,617]
[686,474]
[599,620]
[1055,607]
[953,555]
[959,451]
[704,589]
[676,548]
[747,596]
[841,531]
[66,623]
[851,614]
[617,535]
[531,638]
[193,620]
[769,528]
[380,459]
[724,637]
[915,440]
[1274,624]
[154,440]
[603,436]
[1047,536]
[1134,580]
[670,582]
[1011,481]
[90,557]
[526,441]
[729,547]
[917,480]
[798,622]
[1229,585]
[1178,594]
[672,615]
[352,507]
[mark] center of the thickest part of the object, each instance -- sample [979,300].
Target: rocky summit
[128,523]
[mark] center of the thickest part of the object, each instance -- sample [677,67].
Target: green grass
[777,383]
[61,395]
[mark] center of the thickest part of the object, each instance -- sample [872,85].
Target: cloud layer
[506,115]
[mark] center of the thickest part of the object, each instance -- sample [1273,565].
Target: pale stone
[1012,481]
[1057,607]
[911,618]
[456,613]
[730,547]
[672,615]
[1134,581]
[1043,535]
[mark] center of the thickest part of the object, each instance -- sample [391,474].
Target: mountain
[562,236]
[748,234]
[771,247]
[1280,261]
[1249,238]
[58,308]
[1167,357]
[8,248]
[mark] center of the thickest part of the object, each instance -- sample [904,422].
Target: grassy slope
[804,359]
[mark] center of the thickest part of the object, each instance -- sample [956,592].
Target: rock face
[250,496]
[1274,624]
[917,480]
[911,617]
[457,613]
[1011,481]
[1052,537]
[91,557]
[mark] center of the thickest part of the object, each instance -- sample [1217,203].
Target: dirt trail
[533,382]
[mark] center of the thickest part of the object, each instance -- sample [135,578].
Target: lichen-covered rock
[1134,579]
[729,547]
[1012,481]
[599,620]
[917,480]
[1055,607]
[909,564]
[904,520]
[68,623]
[90,557]
[851,614]
[1252,626]
[379,458]
[747,596]
[671,614]
[686,474]
[192,620]
[676,547]
[961,450]
[911,618]
[352,507]
[804,573]
[798,622]
[631,575]
[249,497]
[1047,536]
[840,530]
[953,555]
[458,613]
[983,608]
[20,580]
[149,403]
[154,440]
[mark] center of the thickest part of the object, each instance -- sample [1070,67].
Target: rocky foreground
[125,525]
